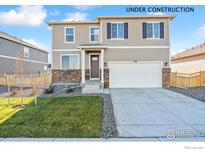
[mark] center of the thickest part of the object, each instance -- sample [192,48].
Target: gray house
[12,50]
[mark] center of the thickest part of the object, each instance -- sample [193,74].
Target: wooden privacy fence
[34,80]
[185,80]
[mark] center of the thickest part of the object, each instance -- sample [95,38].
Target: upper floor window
[70,61]
[153,30]
[117,30]
[94,34]
[69,34]
[26,52]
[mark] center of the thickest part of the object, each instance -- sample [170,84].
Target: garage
[135,74]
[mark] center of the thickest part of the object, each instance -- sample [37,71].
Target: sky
[30,22]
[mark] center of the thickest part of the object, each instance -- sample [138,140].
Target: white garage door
[134,75]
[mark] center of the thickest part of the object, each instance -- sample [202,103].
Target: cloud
[156,13]
[201,31]
[36,43]
[54,13]
[23,16]
[85,7]
[77,16]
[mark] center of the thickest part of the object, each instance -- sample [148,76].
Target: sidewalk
[194,139]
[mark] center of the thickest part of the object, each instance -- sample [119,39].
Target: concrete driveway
[157,112]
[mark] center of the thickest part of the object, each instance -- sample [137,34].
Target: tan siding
[56,57]
[81,36]
[193,58]
[137,54]
[135,33]
[134,39]
[189,64]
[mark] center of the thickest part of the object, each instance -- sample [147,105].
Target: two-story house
[15,52]
[118,51]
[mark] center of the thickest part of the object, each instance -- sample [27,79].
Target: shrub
[49,90]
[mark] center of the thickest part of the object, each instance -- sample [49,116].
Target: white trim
[112,47]
[66,49]
[132,62]
[137,47]
[73,34]
[15,58]
[26,50]
[123,38]
[52,63]
[89,64]
[153,38]
[102,65]
[140,62]
[169,64]
[83,67]
[69,55]
[94,34]
[92,47]
[101,37]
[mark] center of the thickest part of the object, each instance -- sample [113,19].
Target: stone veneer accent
[166,77]
[66,76]
[106,78]
[74,76]
[87,74]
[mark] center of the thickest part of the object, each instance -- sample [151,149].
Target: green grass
[79,116]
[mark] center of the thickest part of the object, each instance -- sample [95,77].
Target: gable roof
[17,40]
[194,51]
[138,17]
[98,18]
[71,22]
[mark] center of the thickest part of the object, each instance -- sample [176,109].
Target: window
[153,30]
[26,52]
[94,34]
[69,35]
[117,30]
[70,61]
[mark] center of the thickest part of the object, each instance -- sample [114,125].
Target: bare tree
[19,66]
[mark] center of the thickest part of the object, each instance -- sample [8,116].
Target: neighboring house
[119,51]
[190,61]
[34,59]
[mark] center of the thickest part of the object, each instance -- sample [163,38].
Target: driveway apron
[157,112]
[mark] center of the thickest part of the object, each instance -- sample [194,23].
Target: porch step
[92,87]
[92,91]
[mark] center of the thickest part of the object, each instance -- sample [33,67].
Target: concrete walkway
[97,139]
[157,112]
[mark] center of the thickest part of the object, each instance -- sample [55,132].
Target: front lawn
[79,116]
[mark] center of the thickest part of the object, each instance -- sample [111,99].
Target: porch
[92,67]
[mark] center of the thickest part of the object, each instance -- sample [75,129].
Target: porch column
[102,66]
[82,67]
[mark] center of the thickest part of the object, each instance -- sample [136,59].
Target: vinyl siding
[8,66]
[135,37]
[11,49]
[119,55]
[81,35]
[189,65]
[136,54]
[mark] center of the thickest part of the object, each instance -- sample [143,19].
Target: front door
[94,64]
